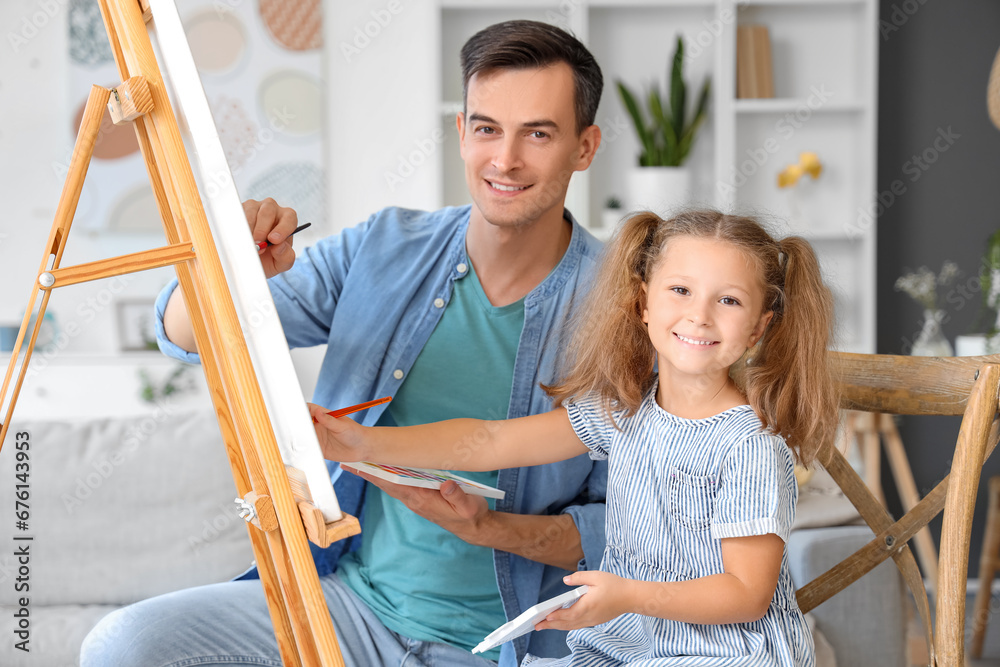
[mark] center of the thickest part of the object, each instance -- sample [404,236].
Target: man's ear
[460,125]
[590,141]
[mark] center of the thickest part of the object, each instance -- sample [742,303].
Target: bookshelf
[824,58]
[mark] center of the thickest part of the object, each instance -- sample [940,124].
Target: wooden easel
[302,622]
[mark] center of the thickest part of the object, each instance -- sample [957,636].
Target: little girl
[699,370]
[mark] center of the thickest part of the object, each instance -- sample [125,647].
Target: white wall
[380,56]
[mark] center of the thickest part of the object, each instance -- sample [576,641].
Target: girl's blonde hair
[785,377]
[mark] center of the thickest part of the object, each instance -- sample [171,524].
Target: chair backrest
[905,385]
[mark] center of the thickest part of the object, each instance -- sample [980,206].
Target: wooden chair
[904,385]
[989,563]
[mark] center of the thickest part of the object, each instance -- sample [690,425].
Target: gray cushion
[123,509]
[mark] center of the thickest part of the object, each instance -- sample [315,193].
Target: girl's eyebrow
[687,279]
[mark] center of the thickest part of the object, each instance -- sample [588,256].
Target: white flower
[922,285]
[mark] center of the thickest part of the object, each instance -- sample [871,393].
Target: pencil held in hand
[264,245]
[357,408]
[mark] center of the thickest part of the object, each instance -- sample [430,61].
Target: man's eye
[486,130]
[538,134]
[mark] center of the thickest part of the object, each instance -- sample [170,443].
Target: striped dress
[676,487]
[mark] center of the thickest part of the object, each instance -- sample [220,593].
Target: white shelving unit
[825,66]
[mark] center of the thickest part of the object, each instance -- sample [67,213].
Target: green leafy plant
[989,276]
[667,137]
[178,382]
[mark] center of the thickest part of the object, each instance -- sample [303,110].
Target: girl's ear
[642,302]
[758,330]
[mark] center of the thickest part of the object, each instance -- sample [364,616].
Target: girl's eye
[729,301]
[683,291]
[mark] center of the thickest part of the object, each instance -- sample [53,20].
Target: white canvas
[265,338]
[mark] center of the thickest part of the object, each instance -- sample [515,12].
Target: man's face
[520,144]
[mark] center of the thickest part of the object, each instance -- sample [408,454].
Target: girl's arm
[741,594]
[458,444]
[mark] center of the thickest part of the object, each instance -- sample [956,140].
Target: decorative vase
[661,190]
[930,341]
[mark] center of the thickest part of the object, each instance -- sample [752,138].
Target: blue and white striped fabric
[676,487]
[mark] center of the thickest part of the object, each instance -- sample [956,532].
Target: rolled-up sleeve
[166,346]
[589,520]
[757,490]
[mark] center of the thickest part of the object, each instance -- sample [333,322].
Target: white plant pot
[975,345]
[662,190]
[610,217]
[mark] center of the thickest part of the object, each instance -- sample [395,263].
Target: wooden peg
[318,531]
[321,533]
[130,100]
[266,519]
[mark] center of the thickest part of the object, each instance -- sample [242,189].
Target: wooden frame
[890,384]
[261,411]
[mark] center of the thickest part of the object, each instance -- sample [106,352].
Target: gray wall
[933,71]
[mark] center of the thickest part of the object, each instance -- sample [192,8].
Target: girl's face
[703,307]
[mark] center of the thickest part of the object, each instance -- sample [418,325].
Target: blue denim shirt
[374,294]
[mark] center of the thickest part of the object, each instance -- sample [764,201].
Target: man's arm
[552,540]
[267,221]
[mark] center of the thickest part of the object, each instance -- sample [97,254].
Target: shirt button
[462,268]
[398,374]
[439,303]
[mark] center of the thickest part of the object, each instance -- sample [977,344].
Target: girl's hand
[607,597]
[340,438]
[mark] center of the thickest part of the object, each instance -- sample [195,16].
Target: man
[457,312]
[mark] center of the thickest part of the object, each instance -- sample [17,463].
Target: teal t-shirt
[421,580]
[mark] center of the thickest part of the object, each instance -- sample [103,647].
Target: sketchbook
[527,621]
[424,478]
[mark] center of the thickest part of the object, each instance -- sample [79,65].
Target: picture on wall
[136,330]
[260,65]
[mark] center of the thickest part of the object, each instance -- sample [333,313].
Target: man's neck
[512,261]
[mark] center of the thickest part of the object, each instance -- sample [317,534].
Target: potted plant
[611,214]
[989,280]
[661,181]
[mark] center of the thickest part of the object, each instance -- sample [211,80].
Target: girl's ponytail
[787,377]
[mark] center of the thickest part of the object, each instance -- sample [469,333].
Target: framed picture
[136,328]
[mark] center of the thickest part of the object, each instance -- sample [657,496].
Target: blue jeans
[229,624]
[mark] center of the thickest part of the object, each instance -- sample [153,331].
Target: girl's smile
[695,341]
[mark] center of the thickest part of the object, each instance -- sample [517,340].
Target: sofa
[117,510]
[120,509]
